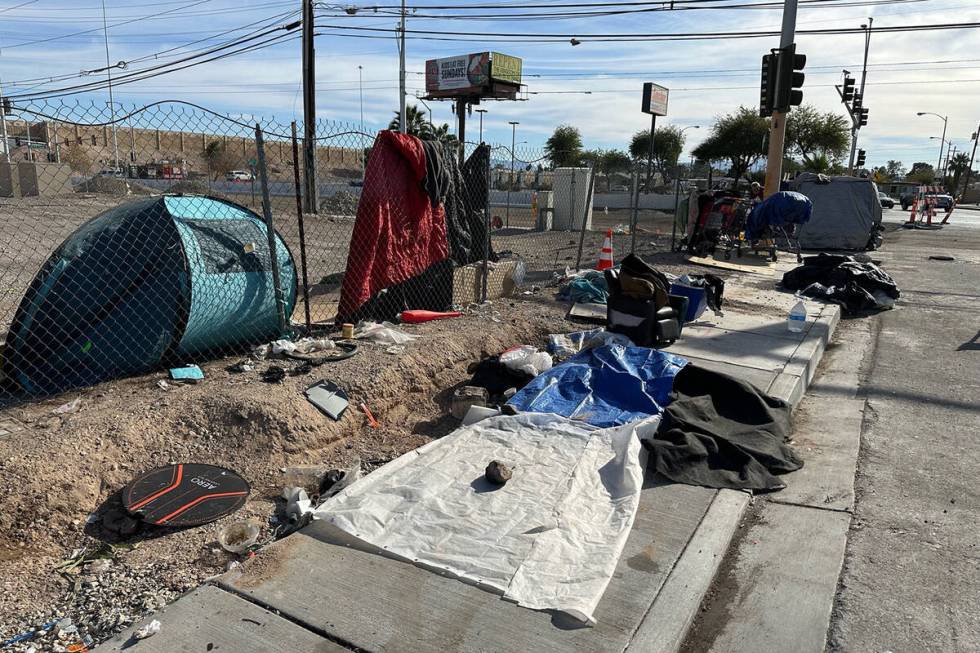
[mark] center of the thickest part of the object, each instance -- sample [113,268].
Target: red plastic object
[416,316]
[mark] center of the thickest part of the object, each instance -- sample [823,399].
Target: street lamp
[481,112]
[939,163]
[691,170]
[513,137]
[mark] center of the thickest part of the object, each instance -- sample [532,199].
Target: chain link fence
[133,239]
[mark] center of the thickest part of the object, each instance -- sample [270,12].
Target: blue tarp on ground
[605,386]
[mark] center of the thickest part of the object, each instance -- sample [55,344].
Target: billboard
[505,68]
[457,75]
[655,99]
[483,74]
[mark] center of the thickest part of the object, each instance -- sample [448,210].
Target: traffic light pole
[777,125]
[310,203]
[856,120]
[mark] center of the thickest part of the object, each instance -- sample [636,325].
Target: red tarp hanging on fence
[398,234]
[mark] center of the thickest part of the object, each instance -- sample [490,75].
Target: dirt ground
[60,471]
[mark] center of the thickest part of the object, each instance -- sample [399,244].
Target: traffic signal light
[856,103]
[860,159]
[863,117]
[5,101]
[848,90]
[768,88]
[789,78]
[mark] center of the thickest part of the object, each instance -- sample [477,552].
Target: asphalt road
[911,579]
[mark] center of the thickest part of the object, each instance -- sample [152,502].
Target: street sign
[654,99]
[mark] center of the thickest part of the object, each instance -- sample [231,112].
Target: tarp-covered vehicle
[846,212]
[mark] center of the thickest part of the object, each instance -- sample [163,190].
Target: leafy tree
[564,147]
[420,127]
[668,143]
[818,138]
[607,162]
[894,170]
[958,164]
[219,159]
[738,137]
[921,172]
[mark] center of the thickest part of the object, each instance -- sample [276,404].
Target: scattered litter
[621,229]
[373,423]
[275,374]
[190,374]
[564,345]
[68,408]
[857,286]
[584,286]
[588,312]
[299,508]
[419,316]
[347,331]
[302,346]
[528,359]
[238,536]
[185,494]
[98,567]
[384,333]
[231,564]
[338,479]
[466,397]
[80,558]
[149,630]
[261,352]
[242,367]
[43,628]
[478,413]
[396,350]
[329,398]
[163,385]
[498,473]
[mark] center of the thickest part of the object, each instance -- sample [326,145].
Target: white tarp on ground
[548,539]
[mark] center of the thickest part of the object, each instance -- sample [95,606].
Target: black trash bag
[858,286]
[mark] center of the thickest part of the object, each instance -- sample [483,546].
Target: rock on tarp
[548,539]
[605,386]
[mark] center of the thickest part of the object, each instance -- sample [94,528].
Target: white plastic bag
[528,359]
[383,334]
[302,346]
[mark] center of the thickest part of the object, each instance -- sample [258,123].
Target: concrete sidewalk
[318,596]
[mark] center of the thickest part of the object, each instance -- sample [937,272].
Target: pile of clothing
[587,286]
[857,286]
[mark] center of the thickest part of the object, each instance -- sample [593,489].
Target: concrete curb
[665,625]
[792,382]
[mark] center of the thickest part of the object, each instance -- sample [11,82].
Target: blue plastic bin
[697,300]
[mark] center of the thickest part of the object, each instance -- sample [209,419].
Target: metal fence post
[302,230]
[270,230]
[486,244]
[677,195]
[585,217]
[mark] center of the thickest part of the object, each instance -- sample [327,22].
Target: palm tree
[958,164]
[421,128]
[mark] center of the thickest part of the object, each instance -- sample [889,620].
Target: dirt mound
[112,186]
[340,203]
[63,467]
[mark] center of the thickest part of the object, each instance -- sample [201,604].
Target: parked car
[239,175]
[112,172]
[885,201]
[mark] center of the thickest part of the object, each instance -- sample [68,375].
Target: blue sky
[706,78]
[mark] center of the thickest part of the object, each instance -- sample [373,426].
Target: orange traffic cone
[606,254]
[915,206]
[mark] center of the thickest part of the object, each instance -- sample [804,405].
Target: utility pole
[311,204]
[653,130]
[360,85]
[950,152]
[856,119]
[969,171]
[3,126]
[402,127]
[112,106]
[777,125]
[510,182]
[481,112]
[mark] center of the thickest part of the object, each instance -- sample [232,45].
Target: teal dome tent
[146,283]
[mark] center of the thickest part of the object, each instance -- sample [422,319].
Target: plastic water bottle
[797,317]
